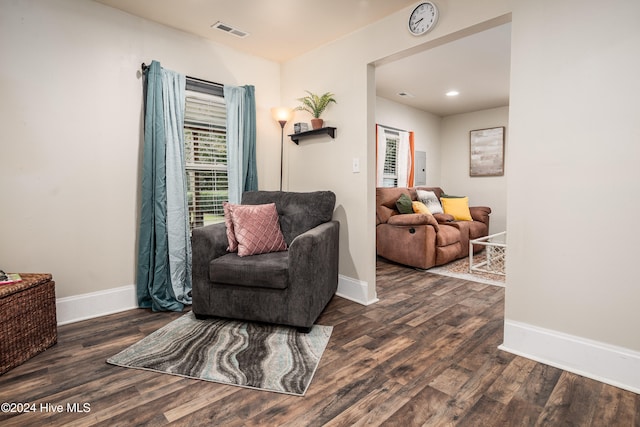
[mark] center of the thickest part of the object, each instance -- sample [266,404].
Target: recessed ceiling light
[453,93]
[405,95]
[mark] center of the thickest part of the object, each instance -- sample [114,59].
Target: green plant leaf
[316,104]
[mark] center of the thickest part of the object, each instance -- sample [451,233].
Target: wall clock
[423,18]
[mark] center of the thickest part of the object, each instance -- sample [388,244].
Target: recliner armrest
[413,219]
[443,218]
[480,213]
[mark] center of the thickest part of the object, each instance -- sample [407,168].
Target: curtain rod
[145,66]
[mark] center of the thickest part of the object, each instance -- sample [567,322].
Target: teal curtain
[250,170]
[164,105]
[241,140]
[178,232]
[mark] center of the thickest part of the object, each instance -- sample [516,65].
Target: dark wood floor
[426,354]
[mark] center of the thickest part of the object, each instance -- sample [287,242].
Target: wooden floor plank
[424,408]
[512,378]
[426,354]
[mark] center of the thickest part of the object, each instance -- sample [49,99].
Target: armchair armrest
[207,243]
[315,250]
[413,219]
[480,213]
[313,269]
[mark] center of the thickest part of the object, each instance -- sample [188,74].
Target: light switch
[356,165]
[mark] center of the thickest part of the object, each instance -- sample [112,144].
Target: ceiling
[477,66]
[279,29]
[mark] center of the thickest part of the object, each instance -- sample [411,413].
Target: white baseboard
[354,290]
[603,362]
[95,304]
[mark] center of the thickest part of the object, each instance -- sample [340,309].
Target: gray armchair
[290,287]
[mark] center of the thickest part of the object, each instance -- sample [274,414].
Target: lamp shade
[281,114]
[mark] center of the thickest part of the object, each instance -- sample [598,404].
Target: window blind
[390,176]
[205,157]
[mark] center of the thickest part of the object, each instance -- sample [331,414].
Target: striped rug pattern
[265,357]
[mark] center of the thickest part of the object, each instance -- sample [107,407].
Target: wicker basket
[27,319]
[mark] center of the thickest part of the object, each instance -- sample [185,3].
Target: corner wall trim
[617,366]
[354,290]
[95,304]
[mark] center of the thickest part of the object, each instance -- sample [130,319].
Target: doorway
[411,93]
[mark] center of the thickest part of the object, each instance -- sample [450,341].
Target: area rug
[460,270]
[264,357]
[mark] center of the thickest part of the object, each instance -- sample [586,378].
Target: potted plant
[315,105]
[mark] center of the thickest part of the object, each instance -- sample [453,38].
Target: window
[205,144]
[390,176]
[394,157]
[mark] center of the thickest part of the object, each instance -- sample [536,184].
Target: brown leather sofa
[422,240]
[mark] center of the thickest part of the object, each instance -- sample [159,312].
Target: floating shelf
[296,137]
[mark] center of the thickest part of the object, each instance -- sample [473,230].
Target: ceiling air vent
[229,29]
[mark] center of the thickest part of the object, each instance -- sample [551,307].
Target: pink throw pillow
[231,235]
[257,229]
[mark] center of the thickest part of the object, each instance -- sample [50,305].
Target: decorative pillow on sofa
[403,204]
[231,235]
[430,200]
[257,229]
[458,207]
[419,207]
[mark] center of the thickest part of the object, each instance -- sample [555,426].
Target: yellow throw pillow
[457,207]
[419,207]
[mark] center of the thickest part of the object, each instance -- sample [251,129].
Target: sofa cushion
[458,207]
[228,222]
[269,270]
[257,229]
[403,204]
[430,199]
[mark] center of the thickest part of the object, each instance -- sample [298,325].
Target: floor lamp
[282,115]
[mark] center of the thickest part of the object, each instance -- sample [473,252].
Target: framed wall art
[486,152]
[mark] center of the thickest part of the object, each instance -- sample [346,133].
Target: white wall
[71,114]
[425,125]
[574,186]
[482,191]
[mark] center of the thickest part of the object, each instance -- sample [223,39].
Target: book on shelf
[9,278]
